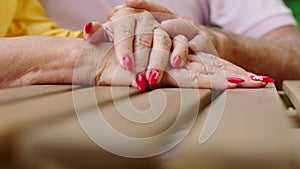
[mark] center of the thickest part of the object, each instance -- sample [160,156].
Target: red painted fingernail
[153,77]
[235,80]
[257,78]
[269,80]
[127,62]
[141,82]
[177,61]
[266,79]
[88,27]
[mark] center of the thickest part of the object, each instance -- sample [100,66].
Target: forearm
[276,54]
[37,60]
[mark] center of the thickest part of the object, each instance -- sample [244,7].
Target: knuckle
[123,36]
[195,78]
[181,37]
[147,15]
[181,40]
[125,11]
[143,41]
[215,61]
[201,39]
[203,70]
[123,32]
[211,57]
[210,69]
[164,40]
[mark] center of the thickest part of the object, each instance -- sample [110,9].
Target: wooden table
[40,128]
[292,90]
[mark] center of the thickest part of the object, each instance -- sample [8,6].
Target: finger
[249,83]
[143,40]
[147,5]
[123,35]
[179,26]
[159,12]
[113,11]
[212,71]
[94,32]
[180,51]
[211,64]
[192,79]
[233,71]
[142,46]
[159,57]
[201,43]
[236,74]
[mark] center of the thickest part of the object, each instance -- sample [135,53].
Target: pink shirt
[248,17]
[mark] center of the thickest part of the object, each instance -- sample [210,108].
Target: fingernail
[177,61]
[153,77]
[269,80]
[88,27]
[235,80]
[127,62]
[141,82]
[266,79]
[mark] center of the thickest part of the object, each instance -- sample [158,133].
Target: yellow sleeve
[27,17]
[7,12]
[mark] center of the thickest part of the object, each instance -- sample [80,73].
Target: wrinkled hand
[140,45]
[201,71]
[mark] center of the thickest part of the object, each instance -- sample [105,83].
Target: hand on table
[202,70]
[205,71]
[140,45]
[133,31]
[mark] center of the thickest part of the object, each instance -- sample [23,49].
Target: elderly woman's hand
[202,70]
[140,45]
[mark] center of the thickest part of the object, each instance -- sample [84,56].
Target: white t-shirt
[248,17]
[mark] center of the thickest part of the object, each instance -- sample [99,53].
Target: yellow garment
[27,17]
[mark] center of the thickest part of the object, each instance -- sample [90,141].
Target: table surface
[253,131]
[292,90]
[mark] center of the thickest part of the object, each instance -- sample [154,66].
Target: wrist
[53,63]
[94,64]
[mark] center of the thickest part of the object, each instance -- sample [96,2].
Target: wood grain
[26,92]
[67,139]
[253,133]
[48,108]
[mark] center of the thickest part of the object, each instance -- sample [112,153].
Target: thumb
[94,32]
